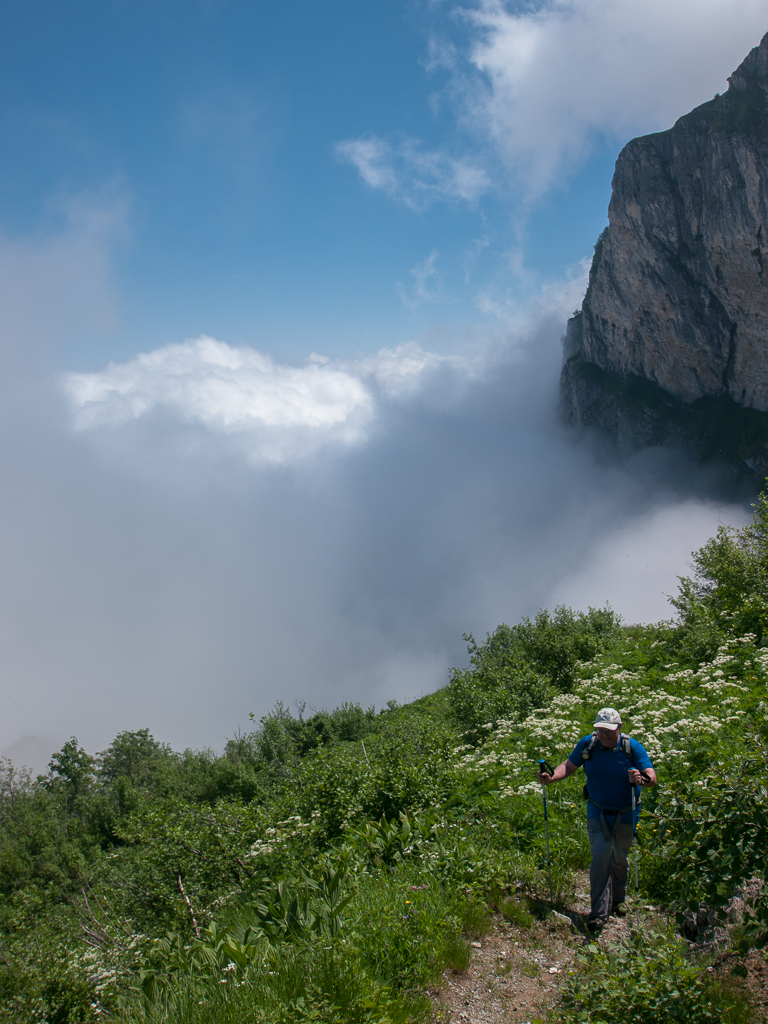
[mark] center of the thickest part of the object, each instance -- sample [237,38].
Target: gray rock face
[672,341]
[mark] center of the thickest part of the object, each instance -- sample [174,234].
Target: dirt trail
[517,973]
[510,978]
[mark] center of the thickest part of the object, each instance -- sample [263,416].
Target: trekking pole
[634,844]
[544,767]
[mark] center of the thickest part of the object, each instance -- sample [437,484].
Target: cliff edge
[671,344]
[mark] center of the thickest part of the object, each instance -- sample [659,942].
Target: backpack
[626,743]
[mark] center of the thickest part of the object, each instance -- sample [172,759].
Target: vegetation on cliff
[330,866]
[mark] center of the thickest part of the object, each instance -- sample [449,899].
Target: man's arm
[646,778]
[561,772]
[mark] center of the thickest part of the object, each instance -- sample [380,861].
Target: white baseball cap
[607,718]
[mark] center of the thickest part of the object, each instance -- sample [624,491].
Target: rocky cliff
[671,344]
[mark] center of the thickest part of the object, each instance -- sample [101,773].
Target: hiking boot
[595,924]
[619,910]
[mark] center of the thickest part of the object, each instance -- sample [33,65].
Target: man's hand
[561,772]
[638,778]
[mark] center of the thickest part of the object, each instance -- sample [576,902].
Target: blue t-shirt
[607,778]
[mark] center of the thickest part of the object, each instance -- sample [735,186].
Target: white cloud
[281,414]
[284,412]
[52,288]
[543,82]
[636,566]
[558,298]
[427,283]
[537,85]
[412,175]
[400,371]
[226,389]
[180,592]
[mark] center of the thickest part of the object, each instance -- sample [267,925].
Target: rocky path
[517,973]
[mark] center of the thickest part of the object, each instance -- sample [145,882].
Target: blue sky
[281,295]
[214,127]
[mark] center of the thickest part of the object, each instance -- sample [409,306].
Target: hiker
[613,763]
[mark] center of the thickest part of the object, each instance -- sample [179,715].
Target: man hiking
[613,764]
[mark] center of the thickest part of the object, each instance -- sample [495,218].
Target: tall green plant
[728,592]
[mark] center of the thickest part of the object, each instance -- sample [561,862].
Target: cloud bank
[284,413]
[551,80]
[195,532]
[155,572]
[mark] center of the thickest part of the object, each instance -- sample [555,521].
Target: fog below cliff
[189,538]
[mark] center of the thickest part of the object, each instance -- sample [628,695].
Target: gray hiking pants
[610,865]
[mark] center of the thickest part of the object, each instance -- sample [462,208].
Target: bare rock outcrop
[671,345]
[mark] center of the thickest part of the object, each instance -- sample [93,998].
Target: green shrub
[518,668]
[479,699]
[409,927]
[293,985]
[712,832]
[650,977]
[730,581]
